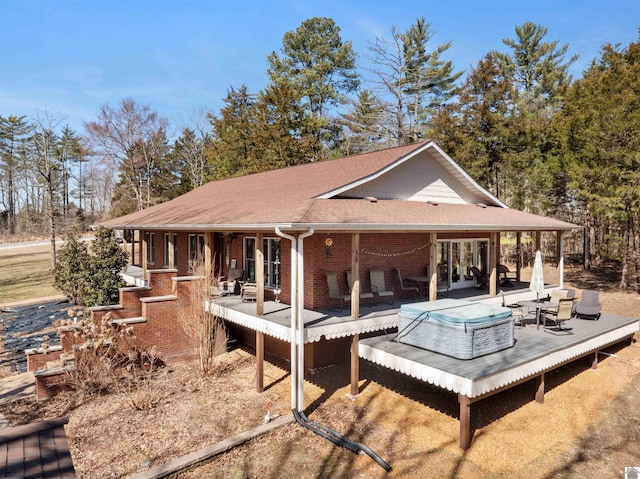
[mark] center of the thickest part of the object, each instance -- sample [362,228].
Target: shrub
[71,274]
[105,266]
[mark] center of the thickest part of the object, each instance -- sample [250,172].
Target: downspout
[300,310]
[297,367]
[294,312]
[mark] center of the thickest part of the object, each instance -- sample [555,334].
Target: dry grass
[25,274]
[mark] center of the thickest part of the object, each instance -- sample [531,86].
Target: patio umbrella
[537,276]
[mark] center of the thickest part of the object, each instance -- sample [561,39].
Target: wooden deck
[536,351]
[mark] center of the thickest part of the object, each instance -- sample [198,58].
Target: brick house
[409,208]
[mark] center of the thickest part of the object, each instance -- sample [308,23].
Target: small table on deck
[539,306]
[420,281]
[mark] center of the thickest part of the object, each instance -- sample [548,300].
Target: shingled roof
[411,188]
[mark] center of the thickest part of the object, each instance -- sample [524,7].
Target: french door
[457,257]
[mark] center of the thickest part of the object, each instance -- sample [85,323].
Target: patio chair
[481,278]
[334,291]
[231,282]
[507,275]
[516,311]
[562,313]
[378,287]
[249,292]
[589,306]
[414,289]
[363,295]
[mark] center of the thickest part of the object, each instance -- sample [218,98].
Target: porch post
[144,253]
[208,261]
[124,248]
[493,262]
[260,274]
[433,266]
[355,275]
[518,254]
[560,255]
[171,246]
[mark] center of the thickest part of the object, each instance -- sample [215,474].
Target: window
[166,250]
[271,248]
[151,247]
[196,250]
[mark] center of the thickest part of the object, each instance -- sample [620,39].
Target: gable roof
[410,188]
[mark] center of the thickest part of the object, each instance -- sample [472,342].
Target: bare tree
[133,137]
[45,143]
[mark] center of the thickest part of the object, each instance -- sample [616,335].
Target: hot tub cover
[455,312]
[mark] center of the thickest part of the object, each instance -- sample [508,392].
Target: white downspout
[294,312]
[300,310]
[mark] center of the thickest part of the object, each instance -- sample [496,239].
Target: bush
[71,274]
[104,269]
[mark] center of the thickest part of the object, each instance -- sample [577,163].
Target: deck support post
[355,365]
[259,361]
[465,421]
[594,364]
[540,389]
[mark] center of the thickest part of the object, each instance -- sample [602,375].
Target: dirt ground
[589,425]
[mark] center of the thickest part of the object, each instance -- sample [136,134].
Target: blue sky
[69,57]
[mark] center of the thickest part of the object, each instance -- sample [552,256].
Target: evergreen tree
[107,262]
[538,67]
[429,81]
[318,66]
[600,127]
[413,82]
[71,274]
[362,125]
[14,136]
[233,147]
[318,63]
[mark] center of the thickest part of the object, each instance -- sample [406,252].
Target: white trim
[444,160]
[313,333]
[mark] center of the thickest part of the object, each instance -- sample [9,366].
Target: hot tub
[458,328]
